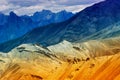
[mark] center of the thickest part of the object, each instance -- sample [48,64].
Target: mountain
[83,24]
[46,17]
[13,26]
[108,32]
[85,47]
[91,60]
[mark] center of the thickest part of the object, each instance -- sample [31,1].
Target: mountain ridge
[83,24]
[92,60]
[13,26]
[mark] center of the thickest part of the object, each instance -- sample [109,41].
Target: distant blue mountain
[94,22]
[13,26]
[46,17]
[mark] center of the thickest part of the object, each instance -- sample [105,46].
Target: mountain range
[84,47]
[97,18]
[13,26]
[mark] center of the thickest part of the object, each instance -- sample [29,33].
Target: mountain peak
[51,16]
[64,11]
[44,10]
[12,14]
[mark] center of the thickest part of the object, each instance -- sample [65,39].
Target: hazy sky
[22,7]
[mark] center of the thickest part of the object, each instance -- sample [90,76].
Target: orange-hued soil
[100,68]
[93,60]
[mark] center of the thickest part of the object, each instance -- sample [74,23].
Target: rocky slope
[109,32]
[92,60]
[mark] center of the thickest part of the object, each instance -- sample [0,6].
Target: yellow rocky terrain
[92,60]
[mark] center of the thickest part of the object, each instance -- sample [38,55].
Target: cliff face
[92,60]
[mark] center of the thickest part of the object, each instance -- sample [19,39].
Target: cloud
[24,2]
[3,2]
[56,8]
[27,3]
[76,2]
[22,7]
[58,2]
[6,7]
[28,10]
